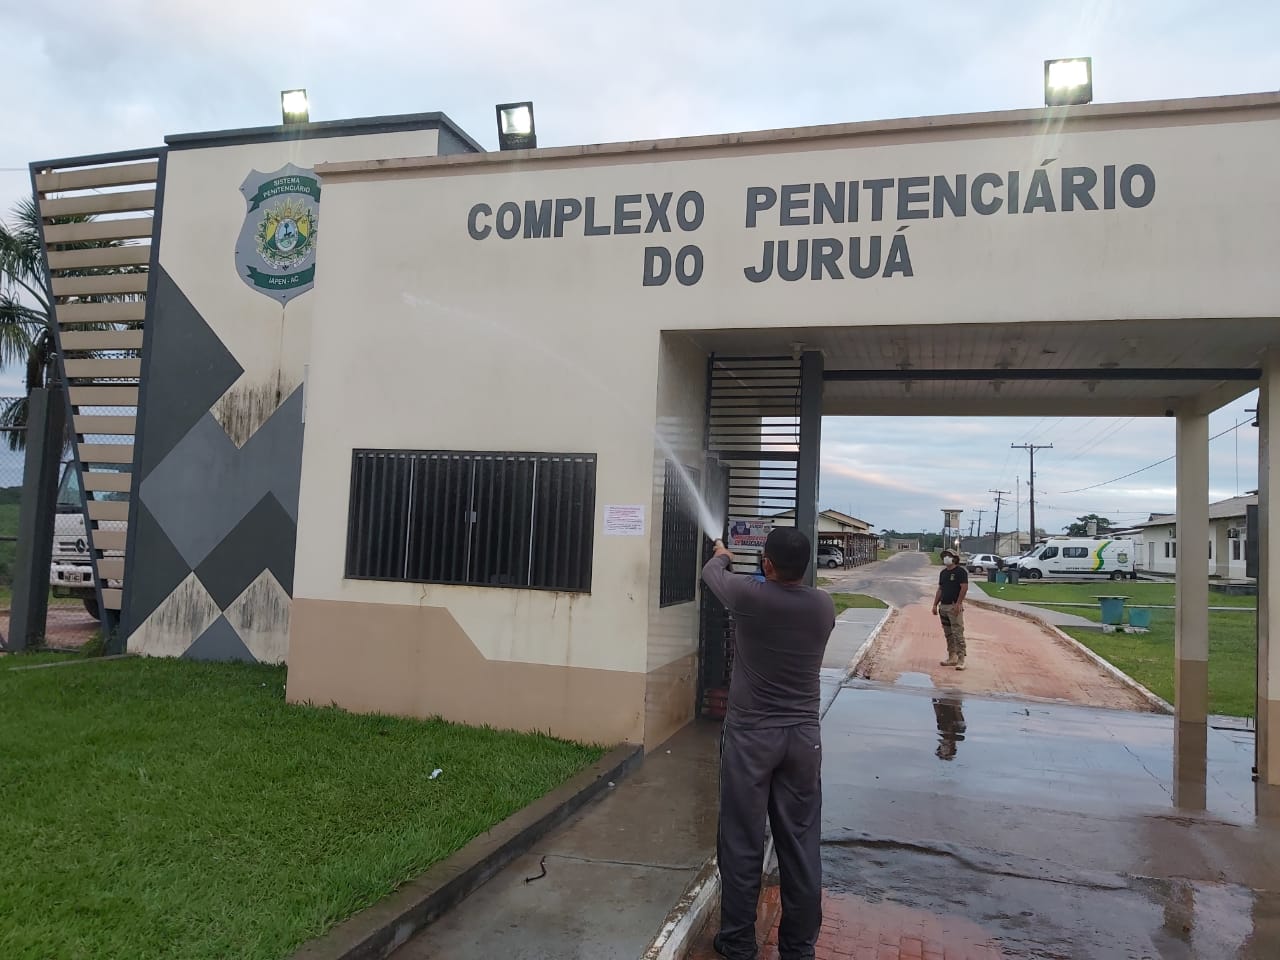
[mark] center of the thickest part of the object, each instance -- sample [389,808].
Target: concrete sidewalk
[989,592]
[612,875]
[615,872]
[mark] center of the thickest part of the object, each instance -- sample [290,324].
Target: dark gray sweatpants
[775,771]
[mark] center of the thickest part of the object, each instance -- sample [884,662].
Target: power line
[1149,466]
[1106,433]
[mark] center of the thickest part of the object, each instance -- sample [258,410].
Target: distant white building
[1157,540]
[1011,543]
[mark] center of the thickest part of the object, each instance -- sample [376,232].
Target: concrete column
[1221,566]
[1191,632]
[1268,717]
[807,469]
[46,423]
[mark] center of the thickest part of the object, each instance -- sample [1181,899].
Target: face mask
[948,560]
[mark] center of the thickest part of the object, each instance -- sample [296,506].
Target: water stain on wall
[177,622]
[261,616]
[246,406]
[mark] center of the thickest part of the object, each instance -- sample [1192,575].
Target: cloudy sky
[120,74]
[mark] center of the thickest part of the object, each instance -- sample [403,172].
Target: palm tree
[26,315]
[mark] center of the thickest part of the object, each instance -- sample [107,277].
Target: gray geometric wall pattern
[208,509]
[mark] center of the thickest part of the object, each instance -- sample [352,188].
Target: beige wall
[971,269]
[425,338]
[415,660]
[203,212]
[672,666]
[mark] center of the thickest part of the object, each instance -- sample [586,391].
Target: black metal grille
[753,429]
[679,539]
[478,519]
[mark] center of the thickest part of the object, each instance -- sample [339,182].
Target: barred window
[476,519]
[680,539]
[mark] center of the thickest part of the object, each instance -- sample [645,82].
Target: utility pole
[970,529]
[980,513]
[995,530]
[1017,505]
[1031,448]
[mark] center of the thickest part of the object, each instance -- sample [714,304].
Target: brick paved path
[854,929]
[1007,655]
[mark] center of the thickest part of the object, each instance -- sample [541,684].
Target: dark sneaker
[728,953]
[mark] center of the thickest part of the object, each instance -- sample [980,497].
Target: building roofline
[1154,112]
[354,127]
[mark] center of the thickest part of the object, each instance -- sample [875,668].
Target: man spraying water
[771,747]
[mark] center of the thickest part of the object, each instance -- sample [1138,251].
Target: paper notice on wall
[624,520]
[748,534]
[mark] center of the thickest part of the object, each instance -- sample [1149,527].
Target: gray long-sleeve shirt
[781,632]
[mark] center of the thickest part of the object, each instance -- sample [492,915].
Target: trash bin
[1140,617]
[1012,574]
[991,575]
[1001,578]
[1112,610]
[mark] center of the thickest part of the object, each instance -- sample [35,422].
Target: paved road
[898,581]
[1007,655]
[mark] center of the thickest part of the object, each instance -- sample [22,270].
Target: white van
[1077,557]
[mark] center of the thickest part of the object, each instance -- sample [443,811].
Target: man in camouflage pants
[948,606]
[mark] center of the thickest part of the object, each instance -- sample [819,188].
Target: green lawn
[1139,592]
[846,601]
[165,808]
[884,554]
[1148,658]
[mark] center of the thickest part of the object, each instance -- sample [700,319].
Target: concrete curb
[374,933]
[686,918]
[702,896]
[1158,703]
[867,644]
[73,661]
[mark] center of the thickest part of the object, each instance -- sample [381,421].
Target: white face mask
[948,560]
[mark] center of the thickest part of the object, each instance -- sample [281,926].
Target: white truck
[1080,558]
[71,572]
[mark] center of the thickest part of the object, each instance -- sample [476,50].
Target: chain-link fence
[71,620]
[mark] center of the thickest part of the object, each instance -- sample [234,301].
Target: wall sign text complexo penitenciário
[877,252]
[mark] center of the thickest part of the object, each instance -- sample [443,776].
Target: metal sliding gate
[752,443]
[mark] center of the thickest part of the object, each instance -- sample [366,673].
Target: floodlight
[1068,81]
[295,106]
[515,126]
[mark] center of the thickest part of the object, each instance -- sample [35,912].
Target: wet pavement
[962,826]
[612,873]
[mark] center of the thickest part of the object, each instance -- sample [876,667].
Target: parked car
[830,556]
[982,562]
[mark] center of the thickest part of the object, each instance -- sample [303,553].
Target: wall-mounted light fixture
[516,129]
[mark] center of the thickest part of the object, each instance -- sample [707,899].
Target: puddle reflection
[949,713]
